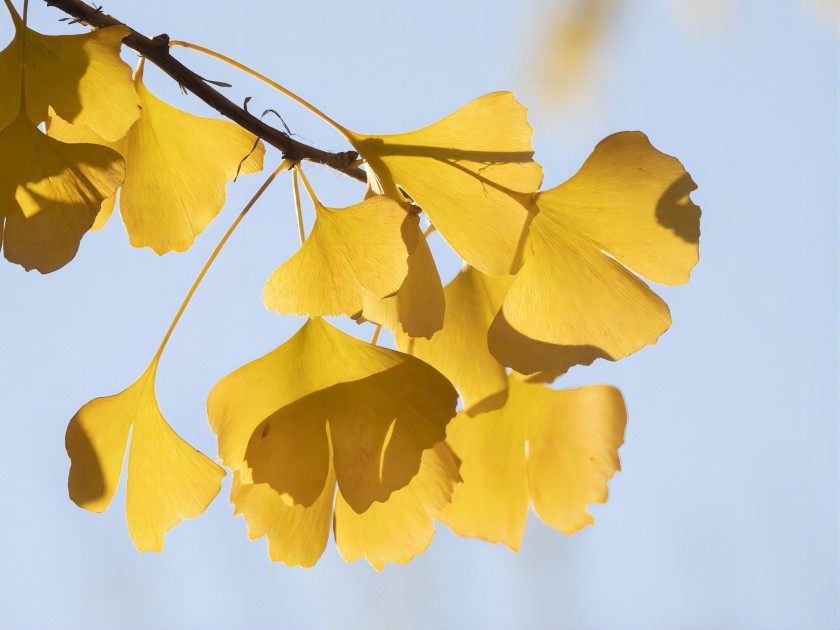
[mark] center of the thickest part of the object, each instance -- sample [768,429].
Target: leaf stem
[139,69]
[257,75]
[296,191]
[376,332]
[13,12]
[20,30]
[315,201]
[284,165]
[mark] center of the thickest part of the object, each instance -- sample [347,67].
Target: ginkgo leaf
[459,350]
[573,451]
[418,307]
[350,250]
[50,193]
[275,416]
[570,303]
[177,168]
[168,480]
[80,76]
[105,212]
[297,535]
[492,503]
[558,448]
[393,531]
[634,202]
[472,172]
[172,190]
[402,527]
[60,129]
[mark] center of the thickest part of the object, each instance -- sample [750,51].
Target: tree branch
[157,51]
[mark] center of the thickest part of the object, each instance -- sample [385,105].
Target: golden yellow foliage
[460,350]
[80,76]
[326,409]
[168,480]
[417,309]
[327,428]
[473,173]
[172,190]
[50,193]
[570,303]
[363,249]
[555,448]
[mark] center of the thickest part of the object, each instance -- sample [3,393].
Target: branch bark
[156,50]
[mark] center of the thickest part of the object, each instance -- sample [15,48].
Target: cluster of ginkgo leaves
[328,429]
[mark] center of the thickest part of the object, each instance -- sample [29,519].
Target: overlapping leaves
[172,190]
[67,73]
[351,252]
[324,410]
[571,303]
[327,430]
[50,192]
[473,173]
[418,307]
[54,190]
[554,448]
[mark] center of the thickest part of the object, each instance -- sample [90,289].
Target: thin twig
[156,50]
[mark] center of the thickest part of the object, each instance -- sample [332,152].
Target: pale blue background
[726,513]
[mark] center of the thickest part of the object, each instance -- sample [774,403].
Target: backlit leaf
[50,193]
[570,303]
[402,527]
[381,409]
[80,76]
[418,307]
[297,535]
[557,448]
[350,250]
[393,531]
[60,129]
[459,350]
[472,172]
[177,169]
[168,480]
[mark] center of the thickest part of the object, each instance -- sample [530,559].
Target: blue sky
[726,512]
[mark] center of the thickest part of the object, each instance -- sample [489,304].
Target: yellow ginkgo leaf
[418,307]
[297,535]
[570,303]
[459,350]
[558,448]
[80,76]
[350,250]
[50,193]
[275,416]
[60,129]
[172,190]
[177,168]
[492,504]
[393,531]
[168,480]
[472,172]
[402,527]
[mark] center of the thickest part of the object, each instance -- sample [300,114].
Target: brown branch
[156,50]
